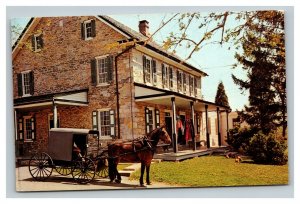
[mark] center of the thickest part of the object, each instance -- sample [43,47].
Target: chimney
[144,28]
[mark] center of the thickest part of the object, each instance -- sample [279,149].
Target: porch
[176,101]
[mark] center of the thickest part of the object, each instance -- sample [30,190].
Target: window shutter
[33,43]
[184,82]
[82,31]
[20,129]
[93,22]
[112,123]
[171,77]
[33,128]
[195,87]
[154,74]
[20,85]
[147,120]
[178,80]
[95,120]
[31,81]
[157,119]
[144,68]
[163,75]
[110,60]
[94,72]
[41,41]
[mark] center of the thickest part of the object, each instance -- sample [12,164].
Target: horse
[137,150]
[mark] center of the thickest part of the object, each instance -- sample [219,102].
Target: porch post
[54,115]
[193,122]
[227,128]
[218,120]
[174,139]
[207,134]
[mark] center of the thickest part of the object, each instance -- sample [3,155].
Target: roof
[150,44]
[74,130]
[125,30]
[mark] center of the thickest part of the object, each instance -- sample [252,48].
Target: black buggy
[67,154]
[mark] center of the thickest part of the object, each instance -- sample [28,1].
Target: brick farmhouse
[93,72]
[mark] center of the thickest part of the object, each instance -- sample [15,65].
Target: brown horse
[138,150]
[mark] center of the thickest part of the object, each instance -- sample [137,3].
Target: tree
[221,97]
[263,58]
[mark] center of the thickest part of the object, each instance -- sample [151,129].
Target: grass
[216,171]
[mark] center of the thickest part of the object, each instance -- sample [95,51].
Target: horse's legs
[148,175]
[111,169]
[142,174]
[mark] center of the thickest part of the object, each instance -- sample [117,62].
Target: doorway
[168,121]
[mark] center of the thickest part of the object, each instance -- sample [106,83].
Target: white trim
[113,27]
[85,29]
[33,105]
[152,98]
[35,42]
[23,36]
[70,103]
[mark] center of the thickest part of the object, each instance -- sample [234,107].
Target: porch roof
[70,98]
[153,95]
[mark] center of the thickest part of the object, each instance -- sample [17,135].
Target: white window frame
[181,76]
[167,77]
[97,70]
[23,83]
[25,130]
[153,118]
[150,82]
[99,123]
[36,36]
[191,89]
[85,29]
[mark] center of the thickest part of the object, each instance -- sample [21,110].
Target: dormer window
[88,29]
[37,42]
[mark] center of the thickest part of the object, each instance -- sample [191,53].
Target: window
[25,83]
[195,87]
[152,119]
[104,121]
[26,128]
[165,75]
[88,30]
[191,85]
[102,69]
[37,42]
[149,69]
[179,81]
[184,82]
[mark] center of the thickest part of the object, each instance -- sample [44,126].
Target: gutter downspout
[117,86]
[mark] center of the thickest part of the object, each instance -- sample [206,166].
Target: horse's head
[164,135]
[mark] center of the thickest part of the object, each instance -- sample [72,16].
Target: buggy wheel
[40,166]
[102,165]
[63,170]
[83,170]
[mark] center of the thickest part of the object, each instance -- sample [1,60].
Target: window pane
[26,83]
[148,71]
[102,70]
[28,129]
[105,123]
[88,28]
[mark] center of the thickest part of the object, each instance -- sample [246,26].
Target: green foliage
[239,138]
[267,149]
[215,171]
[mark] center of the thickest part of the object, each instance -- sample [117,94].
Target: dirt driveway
[56,182]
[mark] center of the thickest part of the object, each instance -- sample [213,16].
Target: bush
[239,139]
[268,149]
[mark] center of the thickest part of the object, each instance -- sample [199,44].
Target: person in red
[180,130]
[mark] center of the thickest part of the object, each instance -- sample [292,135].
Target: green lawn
[216,171]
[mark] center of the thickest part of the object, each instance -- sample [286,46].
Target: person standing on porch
[180,130]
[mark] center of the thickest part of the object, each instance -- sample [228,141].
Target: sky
[214,59]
